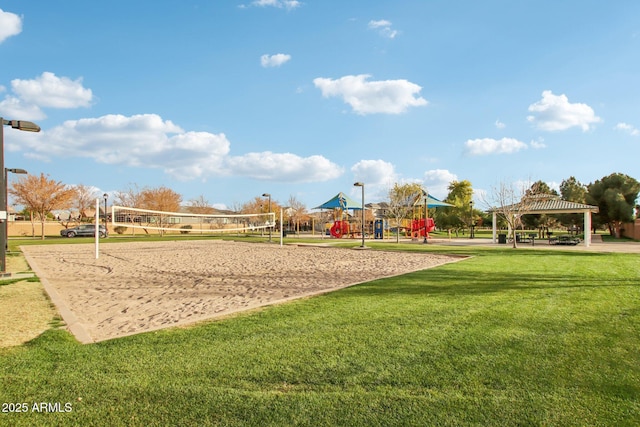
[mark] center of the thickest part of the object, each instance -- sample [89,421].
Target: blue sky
[232,99]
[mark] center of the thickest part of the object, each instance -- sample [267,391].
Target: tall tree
[41,195]
[401,199]
[542,222]
[461,215]
[510,203]
[573,190]
[129,198]
[84,199]
[615,195]
[161,199]
[297,211]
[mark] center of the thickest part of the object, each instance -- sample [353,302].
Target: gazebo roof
[550,204]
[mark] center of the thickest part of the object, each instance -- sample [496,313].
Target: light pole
[105,196]
[20,125]
[471,236]
[426,215]
[6,201]
[361,185]
[270,226]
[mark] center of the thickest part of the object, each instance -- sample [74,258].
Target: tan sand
[137,287]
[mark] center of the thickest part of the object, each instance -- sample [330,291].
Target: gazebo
[549,204]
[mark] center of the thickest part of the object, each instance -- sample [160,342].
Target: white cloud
[437,181]
[630,129]
[283,167]
[280,4]
[14,107]
[537,144]
[556,113]
[500,125]
[148,141]
[10,25]
[384,28]
[483,146]
[274,60]
[46,90]
[374,172]
[369,97]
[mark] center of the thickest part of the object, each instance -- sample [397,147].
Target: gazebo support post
[587,228]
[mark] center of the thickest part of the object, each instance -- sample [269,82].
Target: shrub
[185,229]
[120,229]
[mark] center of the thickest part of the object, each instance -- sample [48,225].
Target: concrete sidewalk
[597,245]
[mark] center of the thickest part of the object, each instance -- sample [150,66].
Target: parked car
[84,230]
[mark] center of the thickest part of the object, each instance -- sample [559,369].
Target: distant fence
[632,229]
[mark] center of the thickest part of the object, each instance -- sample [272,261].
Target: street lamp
[20,125]
[105,196]
[270,226]
[471,235]
[6,203]
[426,216]
[361,185]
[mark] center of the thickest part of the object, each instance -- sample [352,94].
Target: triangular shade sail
[432,202]
[341,201]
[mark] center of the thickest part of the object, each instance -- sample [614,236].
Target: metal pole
[270,215]
[362,225]
[472,222]
[3,200]
[426,214]
[20,125]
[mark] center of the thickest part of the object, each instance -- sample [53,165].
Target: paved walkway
[597,245]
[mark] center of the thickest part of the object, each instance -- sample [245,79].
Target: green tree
[461,215]
[572,190]
[541,222]
[615,195]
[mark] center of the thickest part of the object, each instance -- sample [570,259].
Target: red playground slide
[419,230]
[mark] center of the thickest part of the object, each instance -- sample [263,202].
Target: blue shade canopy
[341,201]
[432,202]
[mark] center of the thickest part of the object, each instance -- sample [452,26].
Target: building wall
[632,229]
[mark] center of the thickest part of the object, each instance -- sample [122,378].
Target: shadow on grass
[460,282]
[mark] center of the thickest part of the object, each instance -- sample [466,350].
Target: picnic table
[566,239]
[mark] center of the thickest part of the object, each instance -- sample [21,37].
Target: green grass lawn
[506,338]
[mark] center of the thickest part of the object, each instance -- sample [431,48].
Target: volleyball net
[187,223]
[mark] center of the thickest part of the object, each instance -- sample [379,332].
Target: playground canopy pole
[426,214]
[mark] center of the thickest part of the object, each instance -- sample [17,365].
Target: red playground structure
[339,228]
[417,229]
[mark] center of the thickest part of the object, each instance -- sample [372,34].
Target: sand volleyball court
[143,286]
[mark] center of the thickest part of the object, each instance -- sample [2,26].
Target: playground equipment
[417,228]
[339,228]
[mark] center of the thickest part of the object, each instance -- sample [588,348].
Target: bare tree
[510,202]
[129,198]
[85,197]
[200,206]
[296,210]
[41,195]
[401,199]
[161,199]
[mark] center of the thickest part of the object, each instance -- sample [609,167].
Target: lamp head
[24,125]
